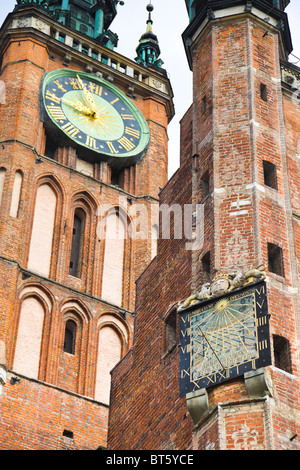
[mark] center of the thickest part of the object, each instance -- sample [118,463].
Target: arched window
[206,266]
[171,331]
[77,243]
[16,194]
[109,353]
[112,284]
[298,148]
[29,339]
[282,354]
[70,337]
[275,259]
[42,230]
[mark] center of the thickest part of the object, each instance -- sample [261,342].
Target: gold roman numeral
[263,344]
[262,290]
[126,143]
[75,84]
[186,349]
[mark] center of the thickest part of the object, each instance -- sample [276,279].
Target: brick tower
[83,144]
[220,369]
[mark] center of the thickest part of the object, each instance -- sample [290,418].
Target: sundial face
[224,338]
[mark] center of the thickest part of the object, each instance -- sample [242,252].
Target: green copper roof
[195,6]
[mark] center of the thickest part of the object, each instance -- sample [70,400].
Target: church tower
[83,154]
[218,320]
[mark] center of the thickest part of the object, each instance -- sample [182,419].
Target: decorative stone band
[2,377]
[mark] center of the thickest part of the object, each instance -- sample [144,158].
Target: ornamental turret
[148,50]
[202,12]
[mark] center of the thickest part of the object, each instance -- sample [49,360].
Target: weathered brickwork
[235,128]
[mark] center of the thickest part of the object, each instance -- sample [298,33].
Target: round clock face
[95,115]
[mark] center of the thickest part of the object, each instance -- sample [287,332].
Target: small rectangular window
[204,105]
[77,243]
[171,332]
[270,174]
[85,49]
[69,434]
[206,267]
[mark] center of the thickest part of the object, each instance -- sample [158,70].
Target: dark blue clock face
[224,339]
[94,114]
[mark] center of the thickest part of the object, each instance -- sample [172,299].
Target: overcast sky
[169,21]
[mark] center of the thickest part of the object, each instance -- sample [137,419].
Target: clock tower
[218,320]
[83,159]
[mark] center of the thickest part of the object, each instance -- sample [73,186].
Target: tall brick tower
[83,144]
[218,367]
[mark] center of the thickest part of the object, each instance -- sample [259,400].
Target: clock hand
[69,103]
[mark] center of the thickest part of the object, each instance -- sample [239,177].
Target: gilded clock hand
[88,95]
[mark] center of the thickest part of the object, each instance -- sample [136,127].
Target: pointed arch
[298,147]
